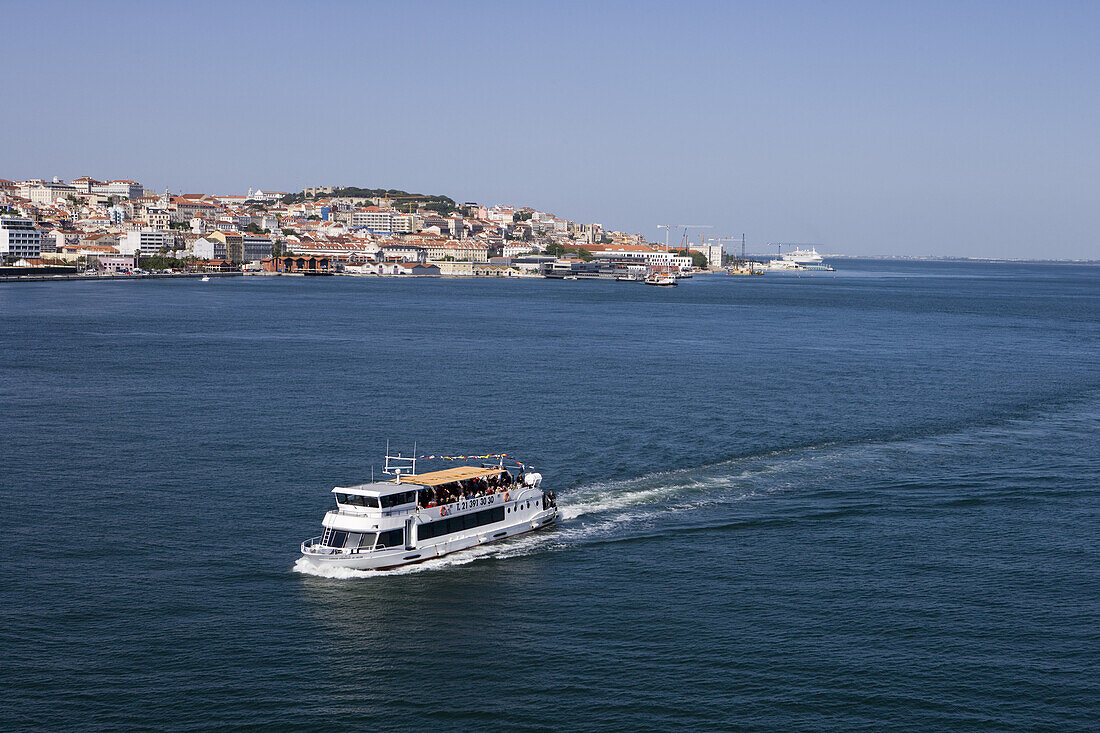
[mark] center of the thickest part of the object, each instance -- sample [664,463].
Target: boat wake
[859,475]
[592,512]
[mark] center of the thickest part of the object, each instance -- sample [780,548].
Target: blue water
[860,502]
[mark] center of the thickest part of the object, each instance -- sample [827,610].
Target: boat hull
[387,560]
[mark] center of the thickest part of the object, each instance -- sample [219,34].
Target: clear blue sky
[953,128]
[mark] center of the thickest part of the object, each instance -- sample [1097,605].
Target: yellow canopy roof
[447,475]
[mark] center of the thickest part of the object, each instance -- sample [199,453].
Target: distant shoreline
[934,258]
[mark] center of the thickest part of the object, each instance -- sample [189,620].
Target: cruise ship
[797,260]
[802,256]
[415,517]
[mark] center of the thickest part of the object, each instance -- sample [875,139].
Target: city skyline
[949,130]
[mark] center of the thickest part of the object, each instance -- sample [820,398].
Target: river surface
[867,501]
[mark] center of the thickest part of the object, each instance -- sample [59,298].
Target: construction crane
[666,227]
[740,239]
[685,227]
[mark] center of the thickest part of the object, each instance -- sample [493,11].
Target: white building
[515,250]
[713,253]
[209,249]
[498,214]
[384,220]
[266,196]
[656,258]
[58,238]
[406,223]
[146,242]
[404,252]
[122,189]
[589,233]
[456,227]
[157,218]
[466,251]
[19,237]
[46,192]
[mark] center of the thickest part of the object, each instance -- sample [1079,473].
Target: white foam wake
[600,510]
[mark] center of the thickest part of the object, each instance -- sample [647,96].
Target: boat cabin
[383,495]
[425,489]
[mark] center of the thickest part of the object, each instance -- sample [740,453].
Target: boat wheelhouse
[416,517]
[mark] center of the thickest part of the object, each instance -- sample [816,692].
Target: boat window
[392,538]
[353,539]
[357,500]
[366,539]
[457,524]
[337,538]
[405,497]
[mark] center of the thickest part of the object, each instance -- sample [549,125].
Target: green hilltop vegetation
[402,200]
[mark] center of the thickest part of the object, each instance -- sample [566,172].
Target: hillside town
[88,226]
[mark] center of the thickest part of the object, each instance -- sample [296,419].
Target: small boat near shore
[420,516]
[661,279]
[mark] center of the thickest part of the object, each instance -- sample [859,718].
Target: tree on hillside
[698,259]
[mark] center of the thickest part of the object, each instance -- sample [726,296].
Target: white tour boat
[661,279]
[416,517]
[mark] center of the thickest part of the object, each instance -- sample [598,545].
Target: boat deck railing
[372,512]
[313,546]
